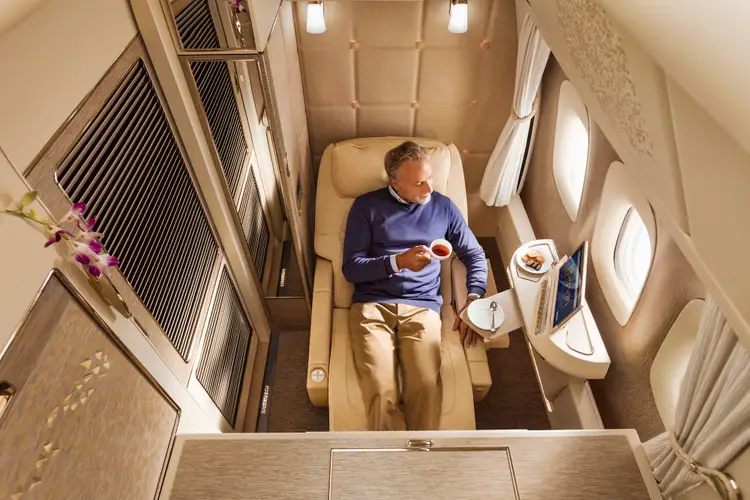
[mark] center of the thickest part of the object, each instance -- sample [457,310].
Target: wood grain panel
[376,474]
[293,466]
[85,423]
[624,397]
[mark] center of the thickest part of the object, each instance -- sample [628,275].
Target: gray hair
[408,151]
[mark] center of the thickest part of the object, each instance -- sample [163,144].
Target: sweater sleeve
[357,266]
[468,250]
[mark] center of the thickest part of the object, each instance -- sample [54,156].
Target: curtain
[504,167]
[712,421]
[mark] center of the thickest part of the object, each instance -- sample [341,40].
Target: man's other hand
[466,334]
[415,259]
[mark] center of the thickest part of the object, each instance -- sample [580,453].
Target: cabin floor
[513,402]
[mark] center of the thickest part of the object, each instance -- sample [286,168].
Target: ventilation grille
[195,26]
[222,362]
[128,168]
[216,91]
[254,222]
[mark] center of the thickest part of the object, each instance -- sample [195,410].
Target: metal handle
[419,444]
[7,391]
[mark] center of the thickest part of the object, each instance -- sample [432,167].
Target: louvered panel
[195,26]
[217,95]
[222,363]
[254,222]
[216,92]
[128,168]
[197,30]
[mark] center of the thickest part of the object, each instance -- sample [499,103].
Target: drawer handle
[419,444]
[7,391]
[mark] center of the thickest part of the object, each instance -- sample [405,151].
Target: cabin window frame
[621,196]
[571,150]
[625,255]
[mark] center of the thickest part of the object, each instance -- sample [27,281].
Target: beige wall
[624,397]
[393,68]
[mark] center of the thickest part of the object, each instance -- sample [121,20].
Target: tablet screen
[570,286]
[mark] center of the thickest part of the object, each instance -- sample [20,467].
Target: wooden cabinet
[526,465]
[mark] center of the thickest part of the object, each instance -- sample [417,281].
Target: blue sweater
[380,226]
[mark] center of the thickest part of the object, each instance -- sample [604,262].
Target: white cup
[440,249]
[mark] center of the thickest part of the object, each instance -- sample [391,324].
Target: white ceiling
[704,46]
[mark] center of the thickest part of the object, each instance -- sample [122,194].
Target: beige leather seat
[347,170]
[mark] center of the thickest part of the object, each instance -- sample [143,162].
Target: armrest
[320,332]
[476,355]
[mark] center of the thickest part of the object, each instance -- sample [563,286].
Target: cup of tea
[441,249]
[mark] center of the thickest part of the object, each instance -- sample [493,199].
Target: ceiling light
[459,11]
[316,20]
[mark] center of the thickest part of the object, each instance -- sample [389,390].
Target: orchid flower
[86,234]
[100,264]
[56,235]
[83,242]
[75,213]
[237,6]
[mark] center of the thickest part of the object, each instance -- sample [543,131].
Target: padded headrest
[358,167]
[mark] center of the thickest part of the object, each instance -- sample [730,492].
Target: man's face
[413,181]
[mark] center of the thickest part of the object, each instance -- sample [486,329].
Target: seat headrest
[357,165]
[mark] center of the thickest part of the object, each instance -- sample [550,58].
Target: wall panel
[49,62]
[392,68]
[624,397]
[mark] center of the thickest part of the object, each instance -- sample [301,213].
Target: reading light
[316,20]
[459,11]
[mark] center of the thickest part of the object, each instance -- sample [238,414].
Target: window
[624,240]
[571,148]
[632,256]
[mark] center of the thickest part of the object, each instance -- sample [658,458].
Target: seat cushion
[346,406]
[358,167]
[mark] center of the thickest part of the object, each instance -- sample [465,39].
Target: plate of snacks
[533,261]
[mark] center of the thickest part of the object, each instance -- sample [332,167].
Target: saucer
[480,315]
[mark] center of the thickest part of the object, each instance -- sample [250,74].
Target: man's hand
[466,334]
[415,259]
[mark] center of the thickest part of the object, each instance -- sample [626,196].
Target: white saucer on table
[480,316]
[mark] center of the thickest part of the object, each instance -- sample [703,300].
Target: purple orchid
[100,263]
[86,234]
[82,241]
[75,213]
[237,6]
[95,246]
[56,236]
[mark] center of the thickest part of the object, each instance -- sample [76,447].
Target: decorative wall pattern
[85,422]
[393,68]
[595,48]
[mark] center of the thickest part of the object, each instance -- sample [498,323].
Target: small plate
[545,267]
[480,315]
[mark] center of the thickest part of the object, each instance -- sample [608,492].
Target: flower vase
[107,291]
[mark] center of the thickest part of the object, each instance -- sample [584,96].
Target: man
[395,315]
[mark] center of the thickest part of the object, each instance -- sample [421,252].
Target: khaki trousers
[384,336]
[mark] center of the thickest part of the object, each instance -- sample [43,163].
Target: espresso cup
[440,249]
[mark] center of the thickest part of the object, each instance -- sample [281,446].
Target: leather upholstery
[347,170]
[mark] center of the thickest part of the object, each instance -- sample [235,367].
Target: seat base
[346,406]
